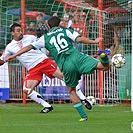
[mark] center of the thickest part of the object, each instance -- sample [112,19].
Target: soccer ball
[118,60]
[91,100]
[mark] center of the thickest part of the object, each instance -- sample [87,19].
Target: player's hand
[9,58]
[97,40]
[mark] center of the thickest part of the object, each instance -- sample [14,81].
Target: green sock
[79,108]
[104,60]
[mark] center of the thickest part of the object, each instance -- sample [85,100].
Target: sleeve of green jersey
[40,43]
[73,35]
[76,38]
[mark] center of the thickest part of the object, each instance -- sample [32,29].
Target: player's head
[16,31]
[53,21]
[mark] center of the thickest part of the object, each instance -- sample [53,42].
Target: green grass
[19,118]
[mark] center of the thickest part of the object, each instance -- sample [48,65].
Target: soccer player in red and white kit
[36,63]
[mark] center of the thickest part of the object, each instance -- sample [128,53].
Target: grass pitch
[19,118]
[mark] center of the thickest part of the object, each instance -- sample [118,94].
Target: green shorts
[77,64]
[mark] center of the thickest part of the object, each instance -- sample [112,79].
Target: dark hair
[13,26]
[53,21]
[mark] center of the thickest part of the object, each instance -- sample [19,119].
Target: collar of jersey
[53,28]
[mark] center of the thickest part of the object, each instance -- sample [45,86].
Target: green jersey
[73,63]
[59,41]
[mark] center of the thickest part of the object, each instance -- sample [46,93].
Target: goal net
[91,18]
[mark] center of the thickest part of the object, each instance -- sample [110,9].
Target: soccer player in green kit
[59,42]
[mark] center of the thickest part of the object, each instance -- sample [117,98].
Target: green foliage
[18,118]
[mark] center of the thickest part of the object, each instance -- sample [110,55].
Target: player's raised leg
[104,60]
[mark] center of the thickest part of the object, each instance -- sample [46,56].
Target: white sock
[79,92]
[37,97]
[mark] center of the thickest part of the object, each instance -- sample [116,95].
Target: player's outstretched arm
[23,50]
[85,40]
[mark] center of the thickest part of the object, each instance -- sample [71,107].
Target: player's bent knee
[27,90]
[105,68]
[102,67]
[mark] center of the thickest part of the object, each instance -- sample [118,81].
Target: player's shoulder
[9,45]
[64,29]
[11,42]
